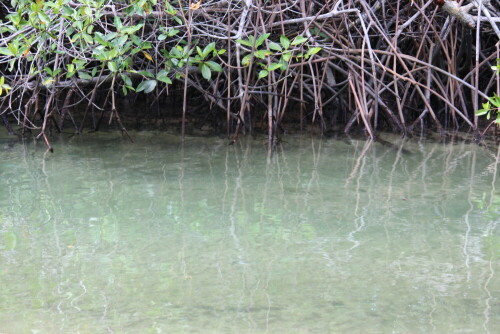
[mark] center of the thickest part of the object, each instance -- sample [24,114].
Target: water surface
[325,236]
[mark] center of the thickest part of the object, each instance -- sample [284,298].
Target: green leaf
[299,40]
[136,40]
[198,50]
[126,80]
[146,86]
[79,63]
[312,51]
[12,63]
[273,67]
[178,20]
[132,29]
[287,56]
[98,37]
[6,87]
[68,11]
[111,54]
[245,42]
[206,72]
[263,73]
[87,11]
[120,41]
[110,36]
[246,60]
[261,39]
[170,9]
[261,54]
[118,23]
[214,66]
[126,48]
[7,29]
[163,77]
[275,46]
[100,54]
[44,18]
[6,52]
[112,66]
[13,48]
[172,32]
[84,76]
[146,74]
[285,42]
[482,112]
[88,38]
[209,48]
[186,52]
[495,100]
[175,52]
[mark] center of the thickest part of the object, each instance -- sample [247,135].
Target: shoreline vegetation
[244,66]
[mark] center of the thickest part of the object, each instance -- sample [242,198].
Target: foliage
[274,50]
[92,44]
[4,87]
[492,107]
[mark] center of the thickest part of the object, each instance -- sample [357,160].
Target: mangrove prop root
[338,64]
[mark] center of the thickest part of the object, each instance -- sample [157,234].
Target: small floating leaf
[10,241]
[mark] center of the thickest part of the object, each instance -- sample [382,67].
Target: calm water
[336,236]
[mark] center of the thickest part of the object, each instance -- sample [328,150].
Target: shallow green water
[336,236]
